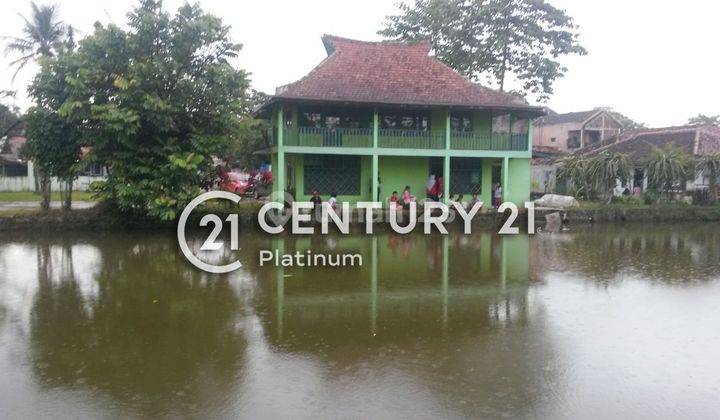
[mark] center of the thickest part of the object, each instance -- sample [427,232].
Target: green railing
[411,139]
[328,137]
[496,141]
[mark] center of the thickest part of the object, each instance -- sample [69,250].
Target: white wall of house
[27,183]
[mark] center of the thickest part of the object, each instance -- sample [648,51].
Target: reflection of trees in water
[657,252]
[156,336]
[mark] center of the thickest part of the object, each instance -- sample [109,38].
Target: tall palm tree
[709,166]
[576,169]
[606,168]
[668,167]
[44,34]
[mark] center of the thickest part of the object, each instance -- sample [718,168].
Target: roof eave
[527,111]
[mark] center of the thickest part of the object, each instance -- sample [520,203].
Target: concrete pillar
[446,164]
[375,192]
[506,178]
[281,164]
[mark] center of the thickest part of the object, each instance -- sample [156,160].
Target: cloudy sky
[656,61]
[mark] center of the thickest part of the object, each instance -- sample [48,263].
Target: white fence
[27,183]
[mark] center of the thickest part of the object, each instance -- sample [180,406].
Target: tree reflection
[156,332]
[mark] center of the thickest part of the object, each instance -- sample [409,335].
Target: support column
[446,163]
[530,128]
[446,179]
[506,178]
[375,192]
[280,170]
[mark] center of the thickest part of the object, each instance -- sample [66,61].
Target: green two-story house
[374,117]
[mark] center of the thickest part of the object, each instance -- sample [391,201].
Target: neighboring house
[544,169]
[638,145]
[374,117]
[574,130]
[17,174]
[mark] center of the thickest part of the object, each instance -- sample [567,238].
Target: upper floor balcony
[361,129]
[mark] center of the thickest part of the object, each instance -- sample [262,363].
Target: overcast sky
[656,61]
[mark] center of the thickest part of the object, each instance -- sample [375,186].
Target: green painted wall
[398,171]
[520,176]
[437,120]
[482,122]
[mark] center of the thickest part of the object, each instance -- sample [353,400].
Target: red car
[238,182]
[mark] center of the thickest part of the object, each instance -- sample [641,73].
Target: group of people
[317,200]
[434,192]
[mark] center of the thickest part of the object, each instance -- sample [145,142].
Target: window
[465,176]
[552,139]
[405,120]
[461,122]
[332,174]
[94,169]
[13,169]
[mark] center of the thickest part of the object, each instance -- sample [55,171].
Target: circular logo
[182,241]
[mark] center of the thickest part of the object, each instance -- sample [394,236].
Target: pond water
[601,322]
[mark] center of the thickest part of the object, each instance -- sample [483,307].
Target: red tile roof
[392,72]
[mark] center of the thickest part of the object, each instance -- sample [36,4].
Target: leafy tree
[606,168]
[10,125]
[575,168]
[709,166]
[53,148]
[157,101]
[44,34]
[668,167]
[702,119]
[54,142]
[493,39]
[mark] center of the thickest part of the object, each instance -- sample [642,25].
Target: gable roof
[637,144]
[392,72]
[568,117]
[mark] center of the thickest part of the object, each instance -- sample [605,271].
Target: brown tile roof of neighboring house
[391,72]
[569,117]
[637,144]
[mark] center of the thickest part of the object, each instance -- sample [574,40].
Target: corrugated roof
[568,117]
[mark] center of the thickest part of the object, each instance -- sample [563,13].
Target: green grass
[18,212]
[31,196]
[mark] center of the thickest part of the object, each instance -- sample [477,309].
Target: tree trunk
[45,187]
[67,205]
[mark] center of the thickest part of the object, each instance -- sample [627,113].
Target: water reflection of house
[408,286]
[17,174]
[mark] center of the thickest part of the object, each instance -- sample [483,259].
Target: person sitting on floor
[407,198]
[393,204]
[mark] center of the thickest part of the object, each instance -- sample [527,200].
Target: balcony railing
[328,137]
[496,141]
[400,139]
[411,139]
